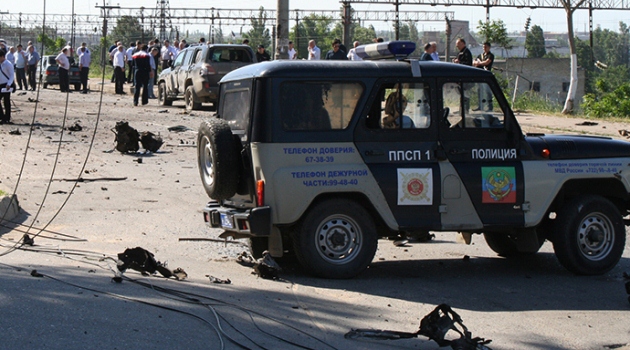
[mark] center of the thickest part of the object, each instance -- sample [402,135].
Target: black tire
[257,245]
[77,87]
[163,100]
[189,99]
[336,239]
[218,159]
[505,244]
[590,235]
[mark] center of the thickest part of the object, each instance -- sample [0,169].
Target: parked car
[196,71]
[50,69]
[323,158]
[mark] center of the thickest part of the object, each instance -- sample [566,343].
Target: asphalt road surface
[154,200]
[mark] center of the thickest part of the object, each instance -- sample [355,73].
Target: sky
[551,20]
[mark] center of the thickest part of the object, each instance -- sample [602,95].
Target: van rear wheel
[336,239]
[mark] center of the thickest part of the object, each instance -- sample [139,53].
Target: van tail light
[260,193]
[207,70]
[50,72]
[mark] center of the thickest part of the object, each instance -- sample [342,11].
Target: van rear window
[318,105]
[229,55]
[235,107]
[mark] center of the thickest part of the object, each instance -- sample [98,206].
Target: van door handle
[374,153]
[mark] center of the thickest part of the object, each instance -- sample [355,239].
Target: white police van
[323,158]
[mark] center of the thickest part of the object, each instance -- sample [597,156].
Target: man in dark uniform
[336,53]
[426,55]
[485,61]
[262,55]
[142,65]
[464,56]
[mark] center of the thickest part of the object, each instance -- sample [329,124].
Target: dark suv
[196,71]
[323,158]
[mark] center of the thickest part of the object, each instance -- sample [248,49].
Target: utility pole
[397,20]
[142,24]
[282,30]
[105,12]
[347,23]
[2,13]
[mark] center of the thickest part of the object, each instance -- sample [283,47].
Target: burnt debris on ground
[143,261]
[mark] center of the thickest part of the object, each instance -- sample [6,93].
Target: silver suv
[195,73]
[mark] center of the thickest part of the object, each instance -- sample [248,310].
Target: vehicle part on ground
[127,138]
[336,239]
[163,99]
[150,141]
[258,245]
[143,261]
[434,326]
[218,159]
[265,267]
[590,235]
[189,99]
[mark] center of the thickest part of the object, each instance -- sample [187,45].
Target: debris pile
[434,326]
[127,139]
[143,261]
[264,267]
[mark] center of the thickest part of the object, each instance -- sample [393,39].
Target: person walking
[142,64]
[119,69]
[64,67]
[32,58]
[20,68]
[84,66]
[154,53]
[6,80]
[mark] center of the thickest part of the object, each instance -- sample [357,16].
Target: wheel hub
[338,239]
[208,169]
[595,237]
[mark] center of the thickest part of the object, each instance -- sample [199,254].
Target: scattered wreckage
[127,139]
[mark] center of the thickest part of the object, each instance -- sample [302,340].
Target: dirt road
[154,200]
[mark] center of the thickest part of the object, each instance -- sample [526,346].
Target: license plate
[226,221]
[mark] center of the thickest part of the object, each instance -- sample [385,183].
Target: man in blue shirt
[84,65]
[32,58]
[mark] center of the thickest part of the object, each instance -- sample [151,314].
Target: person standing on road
[352,53]
[11,56]
[32,58]
[314,53]
[485,61]
[292,52]
[154,53]
[262,55]
[20,68]
[464,56]
[84,66]
[64,68]
[129,53]
[119,69]
[142,64]
[336,53]
[426,55]
[434,53]
[167,54]
[6,80]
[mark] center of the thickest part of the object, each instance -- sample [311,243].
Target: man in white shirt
[119,69]
[314,53]
[11,56]
[20,68]
[64,67]
[434,54]
[167,54]
[84,66]
[352,54]
[292,52]
[6,79]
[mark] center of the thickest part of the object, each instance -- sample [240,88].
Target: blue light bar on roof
[390,49]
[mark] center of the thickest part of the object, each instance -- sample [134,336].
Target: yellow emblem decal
[415,186]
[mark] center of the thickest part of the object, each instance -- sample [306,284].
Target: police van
[323,158]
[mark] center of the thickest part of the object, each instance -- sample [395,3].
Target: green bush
[612,104]
[533,101]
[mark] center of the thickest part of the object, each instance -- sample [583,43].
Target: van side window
[401,106]
[318,105]
[471,106]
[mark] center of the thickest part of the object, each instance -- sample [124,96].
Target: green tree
[535,42]
[496,33]
[218,36]
[128,29]
[364,35]
[312,27]
[50,44]
[259,34]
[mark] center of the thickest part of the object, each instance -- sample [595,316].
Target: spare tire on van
[218,159]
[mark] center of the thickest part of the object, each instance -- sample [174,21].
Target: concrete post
[282,30]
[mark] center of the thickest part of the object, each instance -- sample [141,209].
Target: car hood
[578,146]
